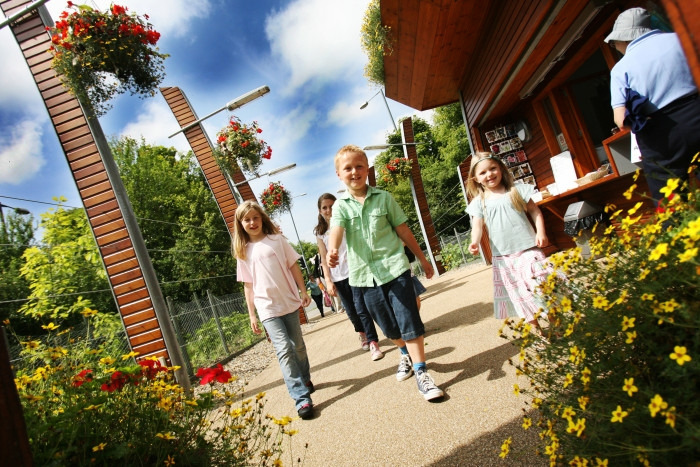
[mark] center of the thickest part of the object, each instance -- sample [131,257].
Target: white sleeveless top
[342,270]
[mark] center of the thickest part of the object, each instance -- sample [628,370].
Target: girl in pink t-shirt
[274,286]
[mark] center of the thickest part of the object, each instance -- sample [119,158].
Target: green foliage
[84,407]
[66,264]
[452,258]
[178,217]
[618,382]
[17,236]
[237,333]
[376,41]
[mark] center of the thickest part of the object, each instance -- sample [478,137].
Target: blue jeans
[356,311]
[286,338]
[393,306]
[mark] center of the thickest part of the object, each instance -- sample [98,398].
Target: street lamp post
[306,266]
[385,103]
[20,211]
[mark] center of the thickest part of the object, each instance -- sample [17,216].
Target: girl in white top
[338,283]
[274,286]
[518,263]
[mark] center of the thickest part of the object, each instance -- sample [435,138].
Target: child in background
[274,286]
[518,262]
[316,293]
[338,282]
[375,226]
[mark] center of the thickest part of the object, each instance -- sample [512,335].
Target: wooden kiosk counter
[533,82]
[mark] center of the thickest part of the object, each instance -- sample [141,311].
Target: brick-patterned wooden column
[87,154]
[203,151]
[421,202]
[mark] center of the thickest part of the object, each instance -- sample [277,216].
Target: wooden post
[14,443]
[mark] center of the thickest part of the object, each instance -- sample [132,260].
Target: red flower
[82,378]
[151,368]
[259,130]
[221,138]
[118,10]
[210,374]
[117,381]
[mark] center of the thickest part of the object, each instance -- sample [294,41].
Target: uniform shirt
[341,271]
[510,231]
[654,66]
[268,267]
[375,251]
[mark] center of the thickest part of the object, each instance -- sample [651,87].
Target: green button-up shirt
[375,251]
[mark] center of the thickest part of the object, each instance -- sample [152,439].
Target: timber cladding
[201,146]
[94,186]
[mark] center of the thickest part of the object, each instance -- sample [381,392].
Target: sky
[307,51]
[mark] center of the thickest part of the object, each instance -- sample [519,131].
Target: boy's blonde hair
[240,236]
[349,148]
[475,189]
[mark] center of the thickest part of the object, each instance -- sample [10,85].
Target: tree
[65,272]
[13,286]
[179,219]
[376,42]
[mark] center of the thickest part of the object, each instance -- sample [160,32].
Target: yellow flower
[669,306]
[31,344]
[660,250]
[87,312]
[601,462]
[99,447]
[618,415]
[167,436]
[536,402]
[670,415]
[50,326]
[680,355]
[631,336]
[629,386]
[107,360]
[505,448]
[583,402]
[131,354]
[635,208]
[688,255]
[648,296]
[627,323]
[568,380]
[671,186]
[579,427]
[643,275]
[656,404]
[516,389]
[527,422]
[600,302]
[568,413]
[630,191]
[169,461]
[566,304]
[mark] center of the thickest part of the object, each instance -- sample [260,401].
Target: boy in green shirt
[375,227]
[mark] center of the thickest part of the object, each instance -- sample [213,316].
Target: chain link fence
[211,329]
[455,250]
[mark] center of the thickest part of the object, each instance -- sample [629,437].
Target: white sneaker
[374,350]
[405,368]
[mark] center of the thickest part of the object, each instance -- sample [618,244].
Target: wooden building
[537,65]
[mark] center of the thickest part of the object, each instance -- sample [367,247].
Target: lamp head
[247,97]
[364,105]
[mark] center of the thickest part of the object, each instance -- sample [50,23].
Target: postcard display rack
[506,144]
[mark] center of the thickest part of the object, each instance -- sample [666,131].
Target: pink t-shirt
[268,267]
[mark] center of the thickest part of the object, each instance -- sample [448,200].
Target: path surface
[365,417]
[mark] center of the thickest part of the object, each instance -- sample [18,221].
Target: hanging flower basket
[276,199]
[99,54]
[397,169]
[240,147]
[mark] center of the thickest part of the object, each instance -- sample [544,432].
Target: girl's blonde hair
[240,236]
[322,226]
[475,189]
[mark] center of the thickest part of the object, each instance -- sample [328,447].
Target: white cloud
[155,123]
[21,153]
[17,88]
[317,40]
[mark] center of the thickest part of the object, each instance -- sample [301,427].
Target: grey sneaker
[364,343]
[427,386]
[405,368]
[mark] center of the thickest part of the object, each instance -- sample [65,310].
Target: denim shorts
[393,306]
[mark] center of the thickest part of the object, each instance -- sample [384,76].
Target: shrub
[618,382]
[83,407]
[202,346]
[452,257]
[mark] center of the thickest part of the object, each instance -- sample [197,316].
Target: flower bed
[617,385]
[100,54]
[276,199]
[240,148]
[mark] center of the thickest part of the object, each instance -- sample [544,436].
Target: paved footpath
[364,417]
